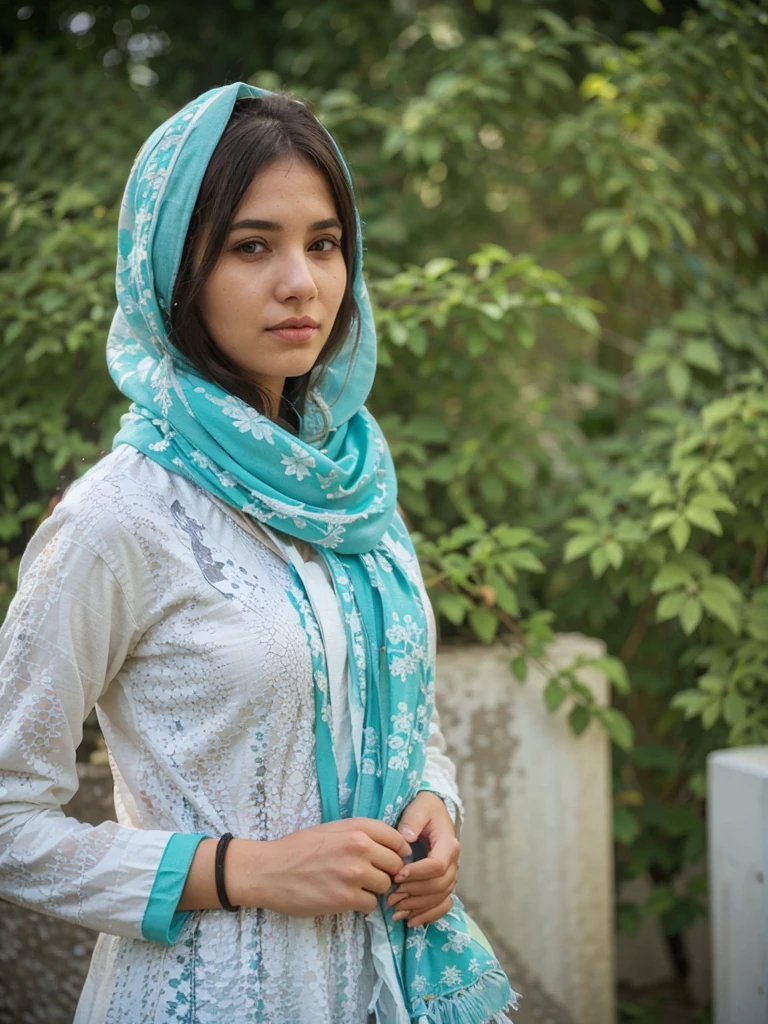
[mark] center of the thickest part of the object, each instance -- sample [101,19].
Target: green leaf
[714,500]
[678,379]
[661,900]
[626,827]
[693,320]
[484,624]
[579,719]
[618,727]
[704,518]
[584,318]
[673,574]
[579,546]
[599,561]
[525,560]
[453,607]
[639,242]
[682,225]
[492,488]
[703,355]
[670,605]
[519,667]
[680,533]
[711,713]
[690,615]
[712,683]
[732,329]
[614,553]
[554,695]
[721,409]
[615,671]
[397,332]
[719,584]
[612,239]
[692,702]
[662,519]
[437,267]
[599,219]
[524,331]
[571,184]
[720,608]
[734,709]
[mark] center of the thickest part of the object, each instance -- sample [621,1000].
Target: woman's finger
[421,904]
[443,852]
[432,887]
[431,915]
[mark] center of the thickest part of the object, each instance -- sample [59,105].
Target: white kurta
[144,596]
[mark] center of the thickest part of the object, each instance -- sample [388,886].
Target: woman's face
[273,296]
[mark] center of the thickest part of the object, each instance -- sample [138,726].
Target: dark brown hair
[260,131]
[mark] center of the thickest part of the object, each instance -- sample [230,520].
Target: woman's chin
[294,364]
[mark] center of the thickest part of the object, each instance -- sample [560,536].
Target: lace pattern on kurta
[143,597]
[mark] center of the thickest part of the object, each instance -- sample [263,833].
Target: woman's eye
[329,244]
[249,248]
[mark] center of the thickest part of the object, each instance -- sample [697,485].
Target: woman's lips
[293,333]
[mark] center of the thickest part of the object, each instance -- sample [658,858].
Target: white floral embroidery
[451,976]
[298,463]
[244,417]
[333,537]
[457,942]
[417,941]
[369,759]
[412,654]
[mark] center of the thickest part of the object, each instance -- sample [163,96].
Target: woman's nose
[295,279]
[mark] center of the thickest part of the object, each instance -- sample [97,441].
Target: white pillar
[738,882]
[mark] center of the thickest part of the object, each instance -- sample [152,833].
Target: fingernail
[400,915]
[401,877]
[408,833]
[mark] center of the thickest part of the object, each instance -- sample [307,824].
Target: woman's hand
[424,891]
[327,869]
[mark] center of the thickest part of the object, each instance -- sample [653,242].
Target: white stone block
[738,872]
[537,854]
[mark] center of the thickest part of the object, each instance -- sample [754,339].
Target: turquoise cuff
[162,922]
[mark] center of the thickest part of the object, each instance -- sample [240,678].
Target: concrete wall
[537,856]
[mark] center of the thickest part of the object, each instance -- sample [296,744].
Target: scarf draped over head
[332,485]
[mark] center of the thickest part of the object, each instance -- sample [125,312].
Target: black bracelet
[221,889]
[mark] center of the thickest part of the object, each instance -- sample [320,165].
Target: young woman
[233,590]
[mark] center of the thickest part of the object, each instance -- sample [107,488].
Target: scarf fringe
[471,1005]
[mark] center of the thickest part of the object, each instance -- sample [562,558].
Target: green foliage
[58,215]
[566,250]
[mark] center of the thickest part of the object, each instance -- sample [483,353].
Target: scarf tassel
[470,1005]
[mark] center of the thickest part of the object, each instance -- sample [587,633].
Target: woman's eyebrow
[271,225]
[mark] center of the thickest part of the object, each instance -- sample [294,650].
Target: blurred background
[565,218]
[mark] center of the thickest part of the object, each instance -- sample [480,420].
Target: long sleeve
[68,631]
[440,773]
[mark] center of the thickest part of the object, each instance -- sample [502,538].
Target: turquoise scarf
[334,486]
